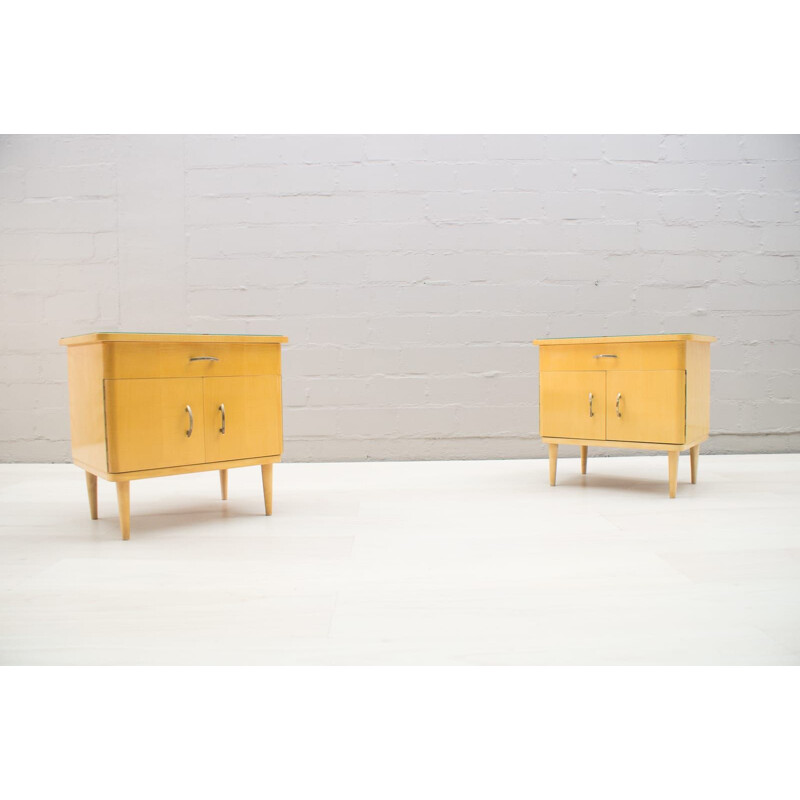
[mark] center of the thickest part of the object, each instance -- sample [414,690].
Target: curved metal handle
[591,397]
[222,409]
[191,421]
[619,397]
[203,358]
[606,355]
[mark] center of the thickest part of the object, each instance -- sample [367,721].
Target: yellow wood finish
[698,390]
[91,488]
[651,337]
[183,470]
[602,357]
[646,406]
[195,360]
[622,445]
[250,407]
[193,338]
[86,414]
[124,503]
[553,454]
[223,483]
[148,423]
[673,472]
[266,482]
[131,397]
[572,404]
[656,395]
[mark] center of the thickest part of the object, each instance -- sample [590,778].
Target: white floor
[408,563]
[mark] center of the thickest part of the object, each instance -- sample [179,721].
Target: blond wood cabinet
[147,405]
[643,392]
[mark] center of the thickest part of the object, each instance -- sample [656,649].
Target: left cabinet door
[572,404]
[154,422]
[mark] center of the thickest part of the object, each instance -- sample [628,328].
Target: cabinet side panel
[86,405]
[279,410]
[698,390]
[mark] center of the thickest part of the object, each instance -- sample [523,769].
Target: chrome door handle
[619,397]
[591,397]
[222,409]
[191,421]
[606,355]
[203,358]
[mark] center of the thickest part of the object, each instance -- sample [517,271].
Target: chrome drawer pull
[222,409]
[191,421]
[591,397]
[606,355]
[203,358]
[619,397]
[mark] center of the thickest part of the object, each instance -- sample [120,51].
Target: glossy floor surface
[408,563]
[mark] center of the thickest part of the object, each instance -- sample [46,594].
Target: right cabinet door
[572,404]
[646,406]
[243,417]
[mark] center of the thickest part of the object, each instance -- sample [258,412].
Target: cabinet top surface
[654,337]
[91,338]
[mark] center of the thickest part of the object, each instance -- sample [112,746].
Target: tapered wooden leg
[553,450]
[673,472]
[223,483]
[694,455]
[266,480]
[584,454]
[91,488]
[124,503]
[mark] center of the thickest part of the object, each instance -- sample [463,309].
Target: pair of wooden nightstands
[147,405]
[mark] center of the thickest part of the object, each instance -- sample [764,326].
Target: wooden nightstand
[144,405]
[642,392]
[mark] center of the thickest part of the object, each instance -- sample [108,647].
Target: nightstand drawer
[612,356]
[189,360]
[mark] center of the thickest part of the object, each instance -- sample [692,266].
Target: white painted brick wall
[410,272]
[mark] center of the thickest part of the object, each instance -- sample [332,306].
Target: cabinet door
[243,417]
[148,424]
[646,406]
[572,404]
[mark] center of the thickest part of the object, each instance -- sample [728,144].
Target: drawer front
[189,360]
[613,357]
[154,423]
[572,404]
[646,406]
